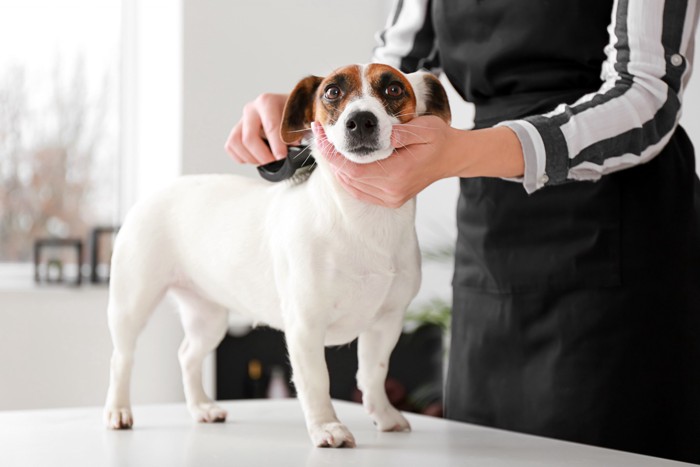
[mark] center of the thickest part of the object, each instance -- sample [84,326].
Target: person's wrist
[489,152]
[459,161]
[510,162]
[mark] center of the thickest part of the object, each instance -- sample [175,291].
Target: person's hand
[421,157]
[261,118]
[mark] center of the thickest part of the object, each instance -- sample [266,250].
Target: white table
[272,433]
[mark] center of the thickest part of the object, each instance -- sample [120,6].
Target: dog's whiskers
[383,168]
[307,158]
[416,126]
[424,141]
[307,148]
[301,152]
[403,114]
[415,158]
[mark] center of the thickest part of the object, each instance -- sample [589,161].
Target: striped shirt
[626,122]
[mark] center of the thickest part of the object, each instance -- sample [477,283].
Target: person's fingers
[336,160]
[235,145]
[260,153]
[392,196]
[403,136]
[271,119]
[359,194]
[420,130]
[245,156]
[230,145]
[261,120]
[236,140]
[319,133]
[272,133]
[325,146]
[363,186]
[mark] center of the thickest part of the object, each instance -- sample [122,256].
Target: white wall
[55,350]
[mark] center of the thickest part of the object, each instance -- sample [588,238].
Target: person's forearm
[491,152]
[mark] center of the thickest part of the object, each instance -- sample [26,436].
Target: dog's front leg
[373,351]
[305,342]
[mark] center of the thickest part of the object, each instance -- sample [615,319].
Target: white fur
[305,258]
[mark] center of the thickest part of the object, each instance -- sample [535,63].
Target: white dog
[301,256]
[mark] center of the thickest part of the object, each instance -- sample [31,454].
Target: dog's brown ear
[436,102]
[299,109]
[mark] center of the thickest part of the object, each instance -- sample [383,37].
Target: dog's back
[191,234]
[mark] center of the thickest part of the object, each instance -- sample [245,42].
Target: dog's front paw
[207,412]
[331,435]
[118,418]
[389,419]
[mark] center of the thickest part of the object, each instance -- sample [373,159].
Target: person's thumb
[278,147]
[318,131]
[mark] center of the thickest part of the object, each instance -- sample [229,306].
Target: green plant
[436,311]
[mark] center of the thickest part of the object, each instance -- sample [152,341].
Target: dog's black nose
[362,124]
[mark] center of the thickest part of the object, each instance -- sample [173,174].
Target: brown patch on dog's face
[393,90]
[334,93]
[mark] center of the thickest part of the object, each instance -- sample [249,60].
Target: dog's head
[358,104]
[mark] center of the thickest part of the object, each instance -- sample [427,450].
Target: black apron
[576,309]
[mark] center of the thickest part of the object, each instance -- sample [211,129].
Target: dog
[302,256]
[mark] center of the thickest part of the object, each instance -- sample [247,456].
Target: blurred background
[104,101]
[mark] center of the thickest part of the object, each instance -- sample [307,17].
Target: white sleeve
[408,40]
[629,120]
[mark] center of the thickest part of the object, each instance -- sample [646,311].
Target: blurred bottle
[278,388]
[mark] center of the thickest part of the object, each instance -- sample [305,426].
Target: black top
[576,308]
[521,51]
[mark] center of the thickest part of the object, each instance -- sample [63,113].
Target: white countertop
[272,433]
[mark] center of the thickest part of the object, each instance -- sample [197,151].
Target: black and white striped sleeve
[629,120]
[408,40]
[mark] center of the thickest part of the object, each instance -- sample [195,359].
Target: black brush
[283,169]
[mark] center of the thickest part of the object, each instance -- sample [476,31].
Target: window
[59,120]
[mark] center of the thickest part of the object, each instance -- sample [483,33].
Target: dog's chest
[341,262]
[359,298]
[359,283]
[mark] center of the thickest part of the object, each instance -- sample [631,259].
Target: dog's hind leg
[205,324]
[374,348]
[130,306]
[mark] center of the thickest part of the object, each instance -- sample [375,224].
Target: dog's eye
[332,93]
[394,90]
